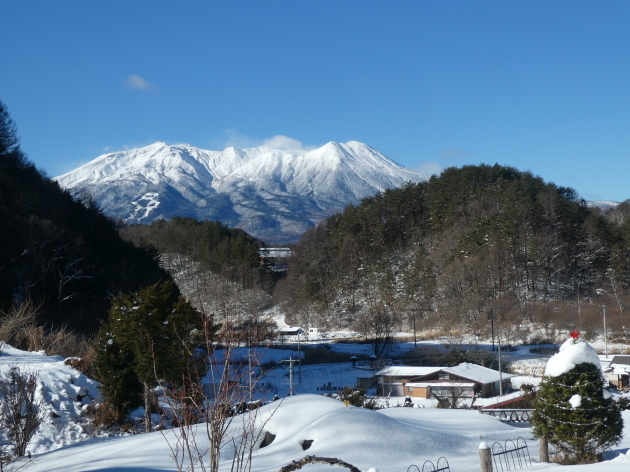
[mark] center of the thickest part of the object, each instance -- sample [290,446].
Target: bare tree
[20,411]
[212,412]
[382,324]
[455,397]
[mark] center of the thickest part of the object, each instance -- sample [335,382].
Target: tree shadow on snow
[128,469]
[608,455]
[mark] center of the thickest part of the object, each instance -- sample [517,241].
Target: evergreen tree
[62,254]
[576,414]
[149,337]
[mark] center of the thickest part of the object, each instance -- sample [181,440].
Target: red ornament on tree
[575,335]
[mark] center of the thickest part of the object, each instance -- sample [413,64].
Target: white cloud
[138,83]
[429,168]
[284,143]
[232,137]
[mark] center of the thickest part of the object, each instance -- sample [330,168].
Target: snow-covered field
[389,440]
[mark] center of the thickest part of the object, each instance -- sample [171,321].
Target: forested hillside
[217,268]
[58,252]
[446,250]
[211,245]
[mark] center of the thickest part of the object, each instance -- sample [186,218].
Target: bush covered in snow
[572,409]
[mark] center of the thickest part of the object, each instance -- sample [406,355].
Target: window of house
[410,389]
[443,376]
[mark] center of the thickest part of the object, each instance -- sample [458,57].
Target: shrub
[573,413]
[357,397]
[20,411]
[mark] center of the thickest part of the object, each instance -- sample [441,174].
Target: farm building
[423,382]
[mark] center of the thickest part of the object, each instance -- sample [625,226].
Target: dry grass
[430,335]
[18,327]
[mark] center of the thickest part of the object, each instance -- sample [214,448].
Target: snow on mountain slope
[272,194]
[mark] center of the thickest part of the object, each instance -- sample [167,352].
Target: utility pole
[290,361]
[251,388]
[500,373]
[415,342]
[299,357]
[605,333]
[491,318]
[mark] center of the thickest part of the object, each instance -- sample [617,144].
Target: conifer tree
[572,409]
[149,337]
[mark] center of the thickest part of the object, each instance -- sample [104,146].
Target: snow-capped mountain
[272,194]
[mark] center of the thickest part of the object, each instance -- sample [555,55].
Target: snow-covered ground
[318,378]
[390,440]
[65,392]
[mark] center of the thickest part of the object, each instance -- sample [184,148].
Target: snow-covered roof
[440,384]
[275,252]
[466,370]
[619,370]
[291,330]
[618,365]
[406,371]
[477,373]
[605,362]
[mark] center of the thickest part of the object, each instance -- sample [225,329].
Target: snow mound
[64,391]
[390,440]
[572,353]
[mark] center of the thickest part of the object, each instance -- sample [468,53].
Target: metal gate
[511,456]
[428,466]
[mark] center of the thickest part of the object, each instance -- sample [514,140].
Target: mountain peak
[157,145]
[271,193]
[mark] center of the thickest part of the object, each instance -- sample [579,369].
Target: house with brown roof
[422,382]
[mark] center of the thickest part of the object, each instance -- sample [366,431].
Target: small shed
[291,332]
[618,371]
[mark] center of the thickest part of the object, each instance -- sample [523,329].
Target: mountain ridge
[270,193]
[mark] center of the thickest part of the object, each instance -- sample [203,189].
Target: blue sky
[538,85]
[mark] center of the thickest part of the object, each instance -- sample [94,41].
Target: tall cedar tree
[580,435]
[148,339]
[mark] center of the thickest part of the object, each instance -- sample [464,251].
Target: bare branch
[296,465]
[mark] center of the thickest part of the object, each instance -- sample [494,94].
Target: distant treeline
[445,250]
[214,246]
[58,252]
